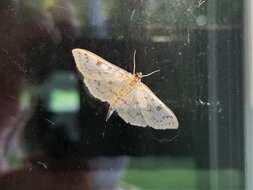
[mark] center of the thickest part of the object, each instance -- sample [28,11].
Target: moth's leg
[134,62]
[109,113]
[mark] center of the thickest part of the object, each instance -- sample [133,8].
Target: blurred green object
[64,100]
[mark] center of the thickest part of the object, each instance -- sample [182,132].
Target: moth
[134,102]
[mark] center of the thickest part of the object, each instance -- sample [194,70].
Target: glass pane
[53,128]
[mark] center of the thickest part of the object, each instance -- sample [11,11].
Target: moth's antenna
[134,61]
[150,73]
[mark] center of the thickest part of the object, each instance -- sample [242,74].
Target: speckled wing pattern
[102,78]
[139,107]
[155,112]
[142,108]
[131,110]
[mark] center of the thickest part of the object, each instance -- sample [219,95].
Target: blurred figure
[11,75]
[26,25]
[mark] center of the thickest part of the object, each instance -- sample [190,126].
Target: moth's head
[138,75]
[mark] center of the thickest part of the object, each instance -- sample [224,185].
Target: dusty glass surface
[53,132]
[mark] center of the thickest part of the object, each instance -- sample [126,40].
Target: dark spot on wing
[99,62]
[171,117]
[149,108]
[165,116]
[86,57]
[158,108]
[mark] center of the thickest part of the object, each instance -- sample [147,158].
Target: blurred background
[53,133]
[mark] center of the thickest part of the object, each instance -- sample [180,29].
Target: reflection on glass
[53,133]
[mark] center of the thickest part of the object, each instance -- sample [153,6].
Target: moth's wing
[94,67]
[102,89]
[155,112]
[130,110]
[102,78]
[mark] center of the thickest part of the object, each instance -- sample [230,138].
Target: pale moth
[134,102]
